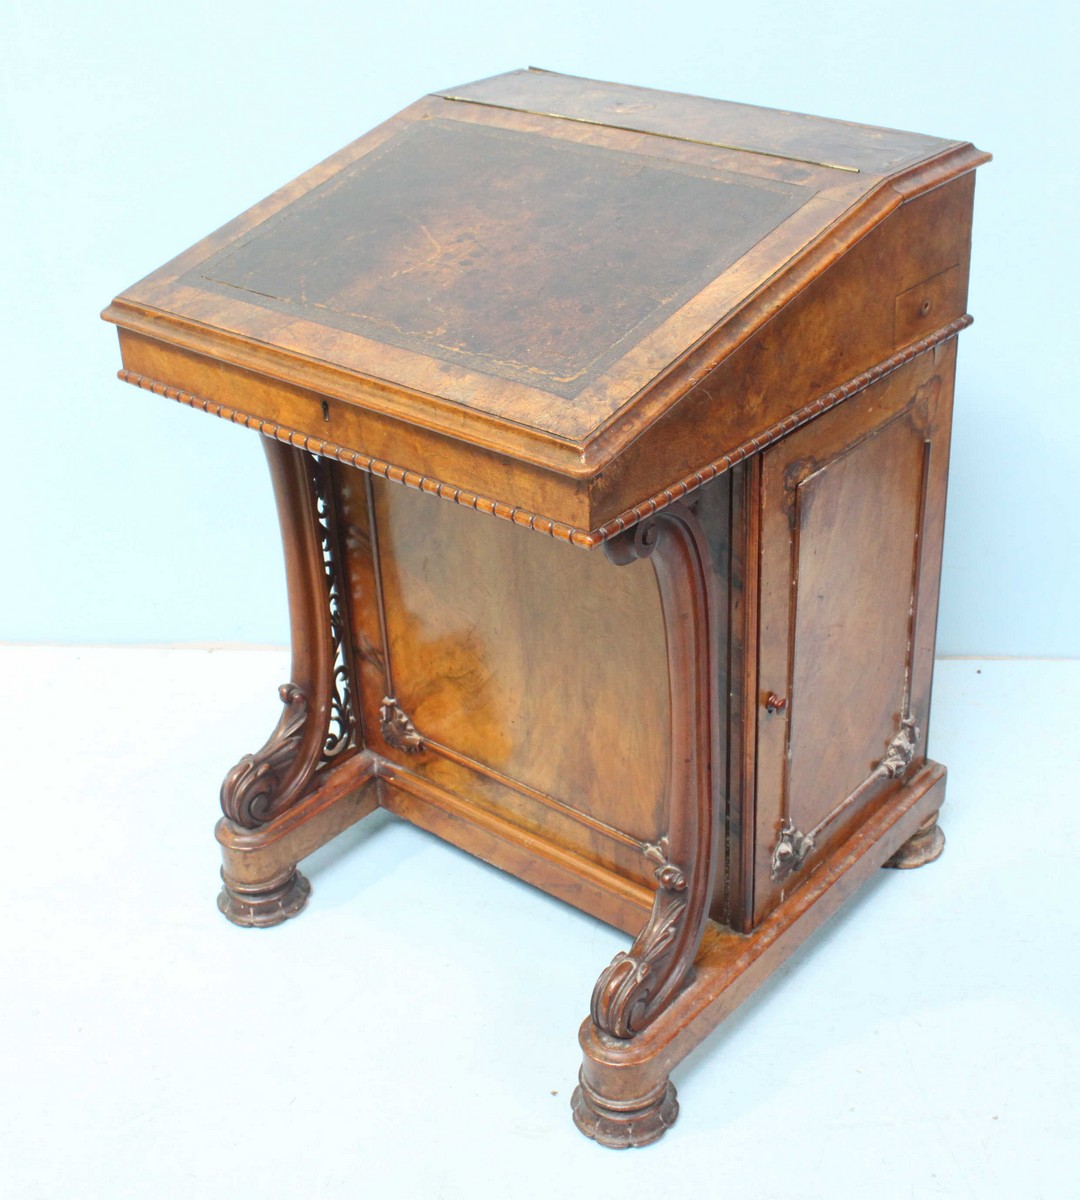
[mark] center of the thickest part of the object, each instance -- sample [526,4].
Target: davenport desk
[609,432]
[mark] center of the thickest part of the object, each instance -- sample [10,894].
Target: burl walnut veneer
[609,430]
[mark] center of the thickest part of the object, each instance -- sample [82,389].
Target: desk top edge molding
[504,510]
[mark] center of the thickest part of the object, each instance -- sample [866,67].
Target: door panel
[851,508]
[852,615]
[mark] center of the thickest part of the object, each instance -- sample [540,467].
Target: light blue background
[129,131]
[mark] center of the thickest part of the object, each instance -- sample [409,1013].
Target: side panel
[851,514]
[533,675]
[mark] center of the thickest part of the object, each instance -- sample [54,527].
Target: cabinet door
[851,510]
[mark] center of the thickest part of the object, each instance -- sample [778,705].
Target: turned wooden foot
[926,844]
[621,1124]
[268,902]
[261,883]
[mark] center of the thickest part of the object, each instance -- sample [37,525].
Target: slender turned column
[639,984]
[315,724]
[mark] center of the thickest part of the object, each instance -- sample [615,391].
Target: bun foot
[621,1124]
[926,844]
[264,903]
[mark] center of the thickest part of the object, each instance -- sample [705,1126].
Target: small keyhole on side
[325,411]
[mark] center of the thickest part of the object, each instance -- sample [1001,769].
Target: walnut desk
[609,432]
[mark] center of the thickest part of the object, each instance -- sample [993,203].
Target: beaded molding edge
[586,538]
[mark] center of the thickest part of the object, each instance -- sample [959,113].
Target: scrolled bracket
[633,544]
[639,983]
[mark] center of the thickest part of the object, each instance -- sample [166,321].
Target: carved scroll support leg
[638,986]
[316,723]
[927,844]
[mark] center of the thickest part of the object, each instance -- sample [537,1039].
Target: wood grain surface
[715,340]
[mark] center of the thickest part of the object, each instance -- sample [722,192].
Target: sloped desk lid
[519,262]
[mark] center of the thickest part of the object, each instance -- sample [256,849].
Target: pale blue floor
[413,1033]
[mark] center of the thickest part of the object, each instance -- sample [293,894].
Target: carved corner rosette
[397,729]
[250,791]
[622,996]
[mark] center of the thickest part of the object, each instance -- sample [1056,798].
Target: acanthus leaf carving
[251,788]
[621,998]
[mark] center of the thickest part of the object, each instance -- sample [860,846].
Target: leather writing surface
[513,254]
